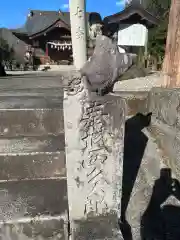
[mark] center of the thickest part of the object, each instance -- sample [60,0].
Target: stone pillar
[94,134]
[78,31]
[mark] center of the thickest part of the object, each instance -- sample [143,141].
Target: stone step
[31,122]
[30,81]
[31,198]
[30,102]
[37,166]
[29,116]
[30,85]
[39,228]
[35,92]
[25,145]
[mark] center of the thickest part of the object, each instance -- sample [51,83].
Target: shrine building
[48,35]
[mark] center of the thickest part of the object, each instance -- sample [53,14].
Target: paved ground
[53,69]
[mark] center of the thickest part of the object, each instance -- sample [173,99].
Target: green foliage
[159,8]
[157,35]
[6,52]
[157,39]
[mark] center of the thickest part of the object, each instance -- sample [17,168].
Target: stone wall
[165,127]
[150,187]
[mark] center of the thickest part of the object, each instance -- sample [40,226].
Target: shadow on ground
[162,221]
[135,142]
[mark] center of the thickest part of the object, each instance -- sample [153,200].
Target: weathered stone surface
[30,102]
[165,106]
[105,66]
[135,101]
[94,133]
[32,198]
[150,192]
[31,122]
[168,140]
[142,164]
[35,166]
[39,92]
[31,82]
[33,184]
[154,206]
[96,228]
[34,229]
[20,145]
[32,85]
[142,84]
[133,72]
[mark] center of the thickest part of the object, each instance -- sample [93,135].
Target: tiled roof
[134,13]
[39,21]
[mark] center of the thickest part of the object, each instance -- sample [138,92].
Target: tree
[158,8]
[172,57]
[157,39]
[3,46]
[6,52]
[157,35]
[6,55]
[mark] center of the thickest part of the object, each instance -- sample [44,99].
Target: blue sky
[13,13]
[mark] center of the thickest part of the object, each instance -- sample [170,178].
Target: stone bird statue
[105,66]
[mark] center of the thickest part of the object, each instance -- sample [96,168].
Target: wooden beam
[171,65]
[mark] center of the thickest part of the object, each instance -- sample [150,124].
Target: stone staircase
[33,187]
